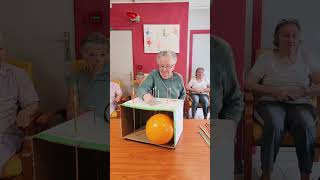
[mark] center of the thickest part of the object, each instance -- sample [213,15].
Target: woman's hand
[117,99]
[280,95]
[148,98]
[288,93]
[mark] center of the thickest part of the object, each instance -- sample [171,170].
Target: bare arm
[25,115]
[314,90]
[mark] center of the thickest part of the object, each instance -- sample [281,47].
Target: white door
[121,61]
[201,54]
[35,32]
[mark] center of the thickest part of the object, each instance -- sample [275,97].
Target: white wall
[199,19]
[307,12]
[33,29]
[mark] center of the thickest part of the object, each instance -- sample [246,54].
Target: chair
[20,166]
[253,131]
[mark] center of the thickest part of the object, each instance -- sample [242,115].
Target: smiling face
[289,37]
[166,66]
[95,56]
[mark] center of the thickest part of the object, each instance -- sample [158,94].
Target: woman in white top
[285,79]
[199,87]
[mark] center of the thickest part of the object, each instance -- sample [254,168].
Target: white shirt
[271,69]
[203,84]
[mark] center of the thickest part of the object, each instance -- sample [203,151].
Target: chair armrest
[248,108]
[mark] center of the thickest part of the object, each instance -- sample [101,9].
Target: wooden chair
[188,104]
[20,166]
[253,131]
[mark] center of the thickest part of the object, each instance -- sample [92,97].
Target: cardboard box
[135,113]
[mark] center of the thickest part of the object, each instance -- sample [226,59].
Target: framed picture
[160,37]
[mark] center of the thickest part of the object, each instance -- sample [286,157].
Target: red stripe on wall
[228,20]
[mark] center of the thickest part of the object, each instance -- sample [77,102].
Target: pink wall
[228,19]
[152,13]
[256,28]
[83,9]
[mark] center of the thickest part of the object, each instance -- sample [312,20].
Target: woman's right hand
[148,98]
[291,93]
[280,95]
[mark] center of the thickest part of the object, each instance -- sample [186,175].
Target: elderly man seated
[18,103]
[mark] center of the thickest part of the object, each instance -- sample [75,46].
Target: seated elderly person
[89,90]
[18,103]
[115,96]
[282,78]
[164,82]
[90,85]
[199,87]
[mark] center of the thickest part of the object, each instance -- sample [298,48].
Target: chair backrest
[25,65]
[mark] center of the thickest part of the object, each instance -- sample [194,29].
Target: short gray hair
[169,53]
[96,38]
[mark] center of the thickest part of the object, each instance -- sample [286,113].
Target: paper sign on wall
[160,37]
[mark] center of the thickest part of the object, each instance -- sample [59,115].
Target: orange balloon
[159,129]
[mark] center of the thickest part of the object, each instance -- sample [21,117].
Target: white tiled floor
[286,167]
[199,114]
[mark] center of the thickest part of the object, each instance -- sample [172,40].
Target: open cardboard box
[134,115]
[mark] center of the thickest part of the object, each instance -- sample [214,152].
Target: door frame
[192,33]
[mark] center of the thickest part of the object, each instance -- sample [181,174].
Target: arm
[191,89]
[145,88]
[25,115]
[27,98]
[118,94]
[314,90]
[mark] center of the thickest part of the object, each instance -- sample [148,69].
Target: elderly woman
[91,83]
[163,82]
[18,103]
[91,87]
[199,87]
[282,79]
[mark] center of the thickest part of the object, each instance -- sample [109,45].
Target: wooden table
[134,160]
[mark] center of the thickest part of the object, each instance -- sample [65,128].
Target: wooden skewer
[203,136]
[205,131]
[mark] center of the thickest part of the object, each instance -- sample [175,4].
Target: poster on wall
[160,37]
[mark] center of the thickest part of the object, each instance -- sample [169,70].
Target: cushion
[12,168]
[114,114]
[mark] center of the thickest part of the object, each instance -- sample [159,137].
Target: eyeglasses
[166,67]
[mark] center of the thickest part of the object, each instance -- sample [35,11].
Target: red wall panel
[228,20]
[152,13]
